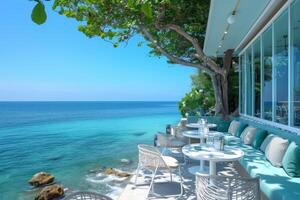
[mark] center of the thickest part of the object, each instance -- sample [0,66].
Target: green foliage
[38,14]
[201,99]
[147,10]
[118,21]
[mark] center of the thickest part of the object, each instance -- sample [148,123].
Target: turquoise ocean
[74,141]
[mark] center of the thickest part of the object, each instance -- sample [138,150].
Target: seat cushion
[231,139]
[177,143]
[259,138]
[240,129]
[248,135]
[233,127]
[170,161]
[291,160]
[274,181]
[266,141]
[275,150]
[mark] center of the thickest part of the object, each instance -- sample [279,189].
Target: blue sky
[56,62]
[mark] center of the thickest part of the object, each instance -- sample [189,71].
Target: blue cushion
[291,160]
[240,129]
[259,138]
[274,181]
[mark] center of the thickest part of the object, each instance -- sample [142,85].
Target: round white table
[197,135]
[206,152]
[197,125]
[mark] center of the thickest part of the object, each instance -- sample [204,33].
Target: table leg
[212,168]
[201,165]
[199,169]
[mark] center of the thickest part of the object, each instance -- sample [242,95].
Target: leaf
[116,45]
[146,9]
[38,14]
[140,44]
[110,34]
[130,3]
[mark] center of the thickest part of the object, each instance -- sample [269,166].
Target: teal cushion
[240,129]
[275,184]
[291,160]
[259,138]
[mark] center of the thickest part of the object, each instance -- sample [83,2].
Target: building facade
[265,35]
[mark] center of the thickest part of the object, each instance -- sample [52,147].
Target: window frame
[286,7]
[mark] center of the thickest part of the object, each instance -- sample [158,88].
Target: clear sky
[57,62]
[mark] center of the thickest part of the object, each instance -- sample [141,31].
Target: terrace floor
[139,192]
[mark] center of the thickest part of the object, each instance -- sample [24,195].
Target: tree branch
[200,54]
[172,58]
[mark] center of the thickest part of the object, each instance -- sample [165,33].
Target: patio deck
[140,192]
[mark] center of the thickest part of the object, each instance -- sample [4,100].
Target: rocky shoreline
[47,189]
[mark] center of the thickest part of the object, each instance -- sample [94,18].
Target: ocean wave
[111,185]
[102,178]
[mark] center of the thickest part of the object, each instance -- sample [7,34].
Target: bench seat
[274,181]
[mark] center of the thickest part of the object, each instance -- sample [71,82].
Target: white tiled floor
[165,187]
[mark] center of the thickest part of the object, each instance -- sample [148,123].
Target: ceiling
[248,11]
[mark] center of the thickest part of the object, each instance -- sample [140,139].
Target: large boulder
[112,171]
[123,174]
[50,192]
[40,179]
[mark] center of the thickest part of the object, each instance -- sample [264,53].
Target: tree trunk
[218,94]
[224,85]
[220,84]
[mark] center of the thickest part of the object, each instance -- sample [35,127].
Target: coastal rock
[123,174]
[40,179]
[50,192]
[112,171]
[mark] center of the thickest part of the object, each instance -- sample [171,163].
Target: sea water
[75,141]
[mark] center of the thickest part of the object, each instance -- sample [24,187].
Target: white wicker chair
[150,158]
[210,187]
[175,141]
[169,141]
[86,196]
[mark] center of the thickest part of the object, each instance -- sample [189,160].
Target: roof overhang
[250,15]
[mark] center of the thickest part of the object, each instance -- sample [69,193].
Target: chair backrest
[87,196]
[226,187]
[150,156]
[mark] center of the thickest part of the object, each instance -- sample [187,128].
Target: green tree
[201,98]
[172,28]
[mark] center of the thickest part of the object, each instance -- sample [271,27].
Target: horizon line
[89,101]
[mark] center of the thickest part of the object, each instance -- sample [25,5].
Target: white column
[212,168]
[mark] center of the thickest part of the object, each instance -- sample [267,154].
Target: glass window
[242,84]
[248,81]
[257,85]
[281,68]
[267,74]
[295,63]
